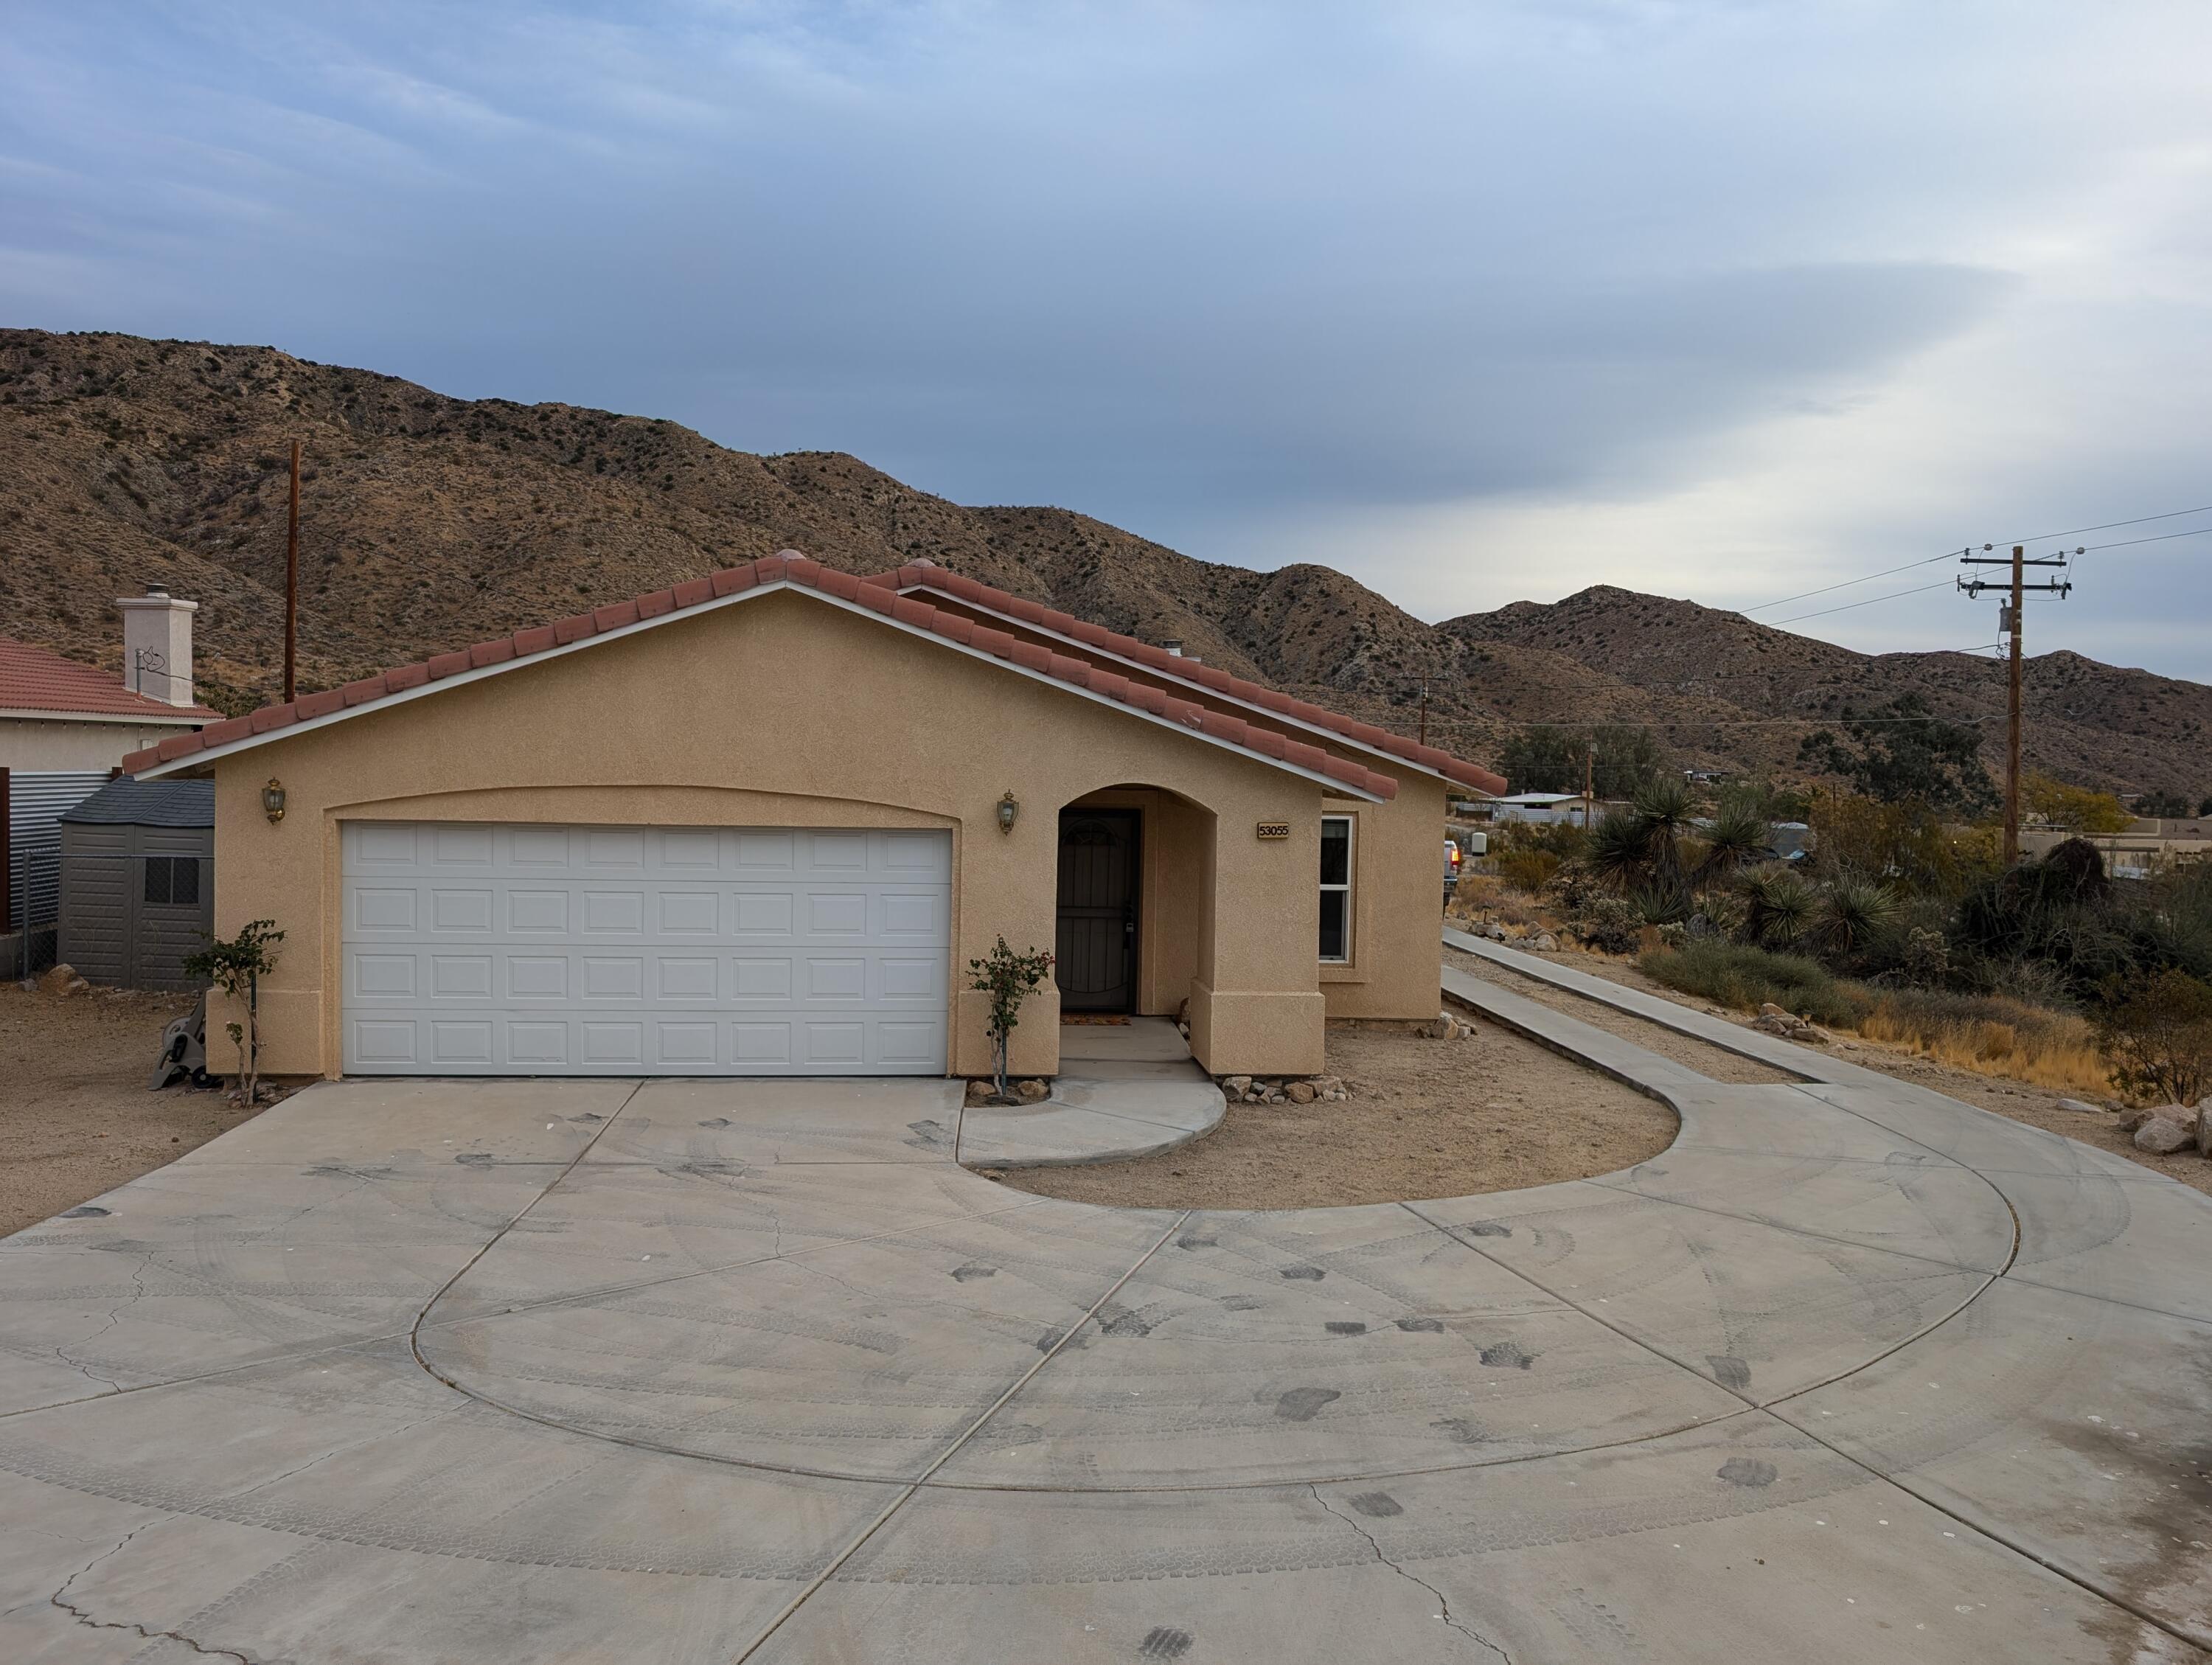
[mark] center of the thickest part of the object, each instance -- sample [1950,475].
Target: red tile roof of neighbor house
[39,679]
[923,575]
[879,593]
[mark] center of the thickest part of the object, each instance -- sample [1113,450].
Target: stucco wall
[1397,905]
[786,709]
[1398,856]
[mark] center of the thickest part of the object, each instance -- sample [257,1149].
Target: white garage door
[474,950]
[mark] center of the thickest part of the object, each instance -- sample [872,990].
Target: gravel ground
[2039,1107]
[75,1118]
[1425,1119]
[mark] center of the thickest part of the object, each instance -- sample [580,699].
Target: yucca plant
[1778,907]
[1737,838]
[1851,912]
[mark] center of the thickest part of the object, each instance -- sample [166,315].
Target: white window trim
[1351,872]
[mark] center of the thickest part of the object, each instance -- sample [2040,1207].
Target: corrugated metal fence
[36,799]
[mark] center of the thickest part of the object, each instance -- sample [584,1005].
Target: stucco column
[1257,1006]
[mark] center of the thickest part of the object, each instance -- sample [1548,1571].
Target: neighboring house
[762,823]
[1546,809]
[2148,847]
[60,715]
[65,728]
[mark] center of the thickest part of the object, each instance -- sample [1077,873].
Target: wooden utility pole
[2012,716]
[292,585]
[2011,620]
[1589,782]
[1424,711]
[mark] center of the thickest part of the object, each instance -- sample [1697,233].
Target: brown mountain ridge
[429,522]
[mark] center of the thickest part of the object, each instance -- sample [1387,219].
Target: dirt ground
[1425,1119]
[75,1118]
[1715,1063]
[2036,1106]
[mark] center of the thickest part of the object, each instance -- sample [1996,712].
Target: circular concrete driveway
[691,1371]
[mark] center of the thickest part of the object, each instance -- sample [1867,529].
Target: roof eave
[1331,736]
[172,717]
[193,762]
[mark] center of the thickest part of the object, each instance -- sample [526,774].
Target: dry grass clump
[1992,1036]
[1989,1034]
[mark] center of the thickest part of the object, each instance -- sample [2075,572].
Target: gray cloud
[1805,284]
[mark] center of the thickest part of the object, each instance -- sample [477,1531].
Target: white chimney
[157,645]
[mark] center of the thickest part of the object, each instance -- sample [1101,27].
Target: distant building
[2145,850]
[1543,809]
[59,715]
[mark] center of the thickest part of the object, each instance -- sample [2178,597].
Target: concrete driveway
[712,1371]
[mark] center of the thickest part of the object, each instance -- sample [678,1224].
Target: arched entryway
[1134,901]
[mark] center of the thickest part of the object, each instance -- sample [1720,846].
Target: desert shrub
[1740,975]
[1528,870]
[1851,915]
[1527,855]
[1607,923]
[1778,907]
[1990,1033]
[2158,1032]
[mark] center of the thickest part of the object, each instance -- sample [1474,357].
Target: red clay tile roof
[788,567]
[38,679]
[1158,659]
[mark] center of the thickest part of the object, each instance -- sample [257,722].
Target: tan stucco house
[761,822]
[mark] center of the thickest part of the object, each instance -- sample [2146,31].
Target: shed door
[521,949]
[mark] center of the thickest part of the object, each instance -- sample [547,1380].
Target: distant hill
[429,522]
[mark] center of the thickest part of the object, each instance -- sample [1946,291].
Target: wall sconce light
[272,800]
[1009,812]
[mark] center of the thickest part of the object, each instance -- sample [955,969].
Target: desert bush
[1991,1034]
[1528,870]
[2158,1032]
[1607,923]
[1778,907]
[1740,975]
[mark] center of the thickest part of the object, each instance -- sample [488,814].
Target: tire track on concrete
[973,1428]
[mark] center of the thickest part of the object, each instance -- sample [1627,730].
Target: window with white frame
[1336,887]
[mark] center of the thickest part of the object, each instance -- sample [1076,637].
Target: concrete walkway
[715,1371]
[1124,1090]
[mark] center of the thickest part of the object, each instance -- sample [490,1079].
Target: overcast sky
[1477,302]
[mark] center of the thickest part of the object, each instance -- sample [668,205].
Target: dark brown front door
[1097,939]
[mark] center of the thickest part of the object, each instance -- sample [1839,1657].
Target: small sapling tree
[235,966]
[1009,979]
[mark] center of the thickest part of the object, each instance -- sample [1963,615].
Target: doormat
[1070,1018]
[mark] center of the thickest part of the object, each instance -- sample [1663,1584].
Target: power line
[1871,601]
[2130,543]
[1868,578]
[2171,514]
[1847,583]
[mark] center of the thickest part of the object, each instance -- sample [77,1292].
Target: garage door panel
[690,950]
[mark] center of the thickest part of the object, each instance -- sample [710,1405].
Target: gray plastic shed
[138,882]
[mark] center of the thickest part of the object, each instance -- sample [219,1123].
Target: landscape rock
[1234,1087]
[2204,1128]
[1496,932]
[62,980]
[978,1092]
[1768,1009]
[2163,1136]
[1300,1092]
[2081,1107]
[1545,943]
[2134,1120]
[1033,1092]
[1772,1024]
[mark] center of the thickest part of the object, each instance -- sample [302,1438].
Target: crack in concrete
[114,1317]
[1442,1600]
[60,1599]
